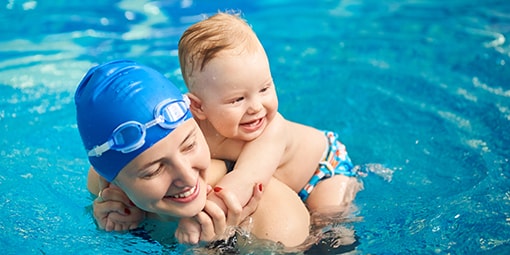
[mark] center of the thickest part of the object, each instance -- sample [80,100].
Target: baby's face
[169,178]
[237,93]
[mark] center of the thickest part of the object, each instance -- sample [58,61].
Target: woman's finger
[234,207]
[218,218]
[117,195]
[235,212]
[253,203]
[103,183]
[208,232]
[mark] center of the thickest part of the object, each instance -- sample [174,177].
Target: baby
[234,101]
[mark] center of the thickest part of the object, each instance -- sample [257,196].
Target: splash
[378,169]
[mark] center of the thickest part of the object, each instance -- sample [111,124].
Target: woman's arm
[93,181]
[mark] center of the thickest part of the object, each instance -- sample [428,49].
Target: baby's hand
[113,211]
[188,231]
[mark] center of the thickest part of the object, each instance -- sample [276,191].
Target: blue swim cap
[123,92]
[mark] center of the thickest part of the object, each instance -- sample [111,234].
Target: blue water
[421,88]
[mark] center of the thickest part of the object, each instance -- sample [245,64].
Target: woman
[140,136]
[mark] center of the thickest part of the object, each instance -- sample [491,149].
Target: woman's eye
[153,172]
[189,147]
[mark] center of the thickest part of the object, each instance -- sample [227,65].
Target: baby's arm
[257,162]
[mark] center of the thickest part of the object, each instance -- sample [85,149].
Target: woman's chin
[189,209]
[171,213]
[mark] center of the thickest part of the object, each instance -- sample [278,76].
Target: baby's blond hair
[204,40]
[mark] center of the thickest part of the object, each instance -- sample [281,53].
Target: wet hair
[205,40]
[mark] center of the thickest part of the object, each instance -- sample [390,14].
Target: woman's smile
[186,196]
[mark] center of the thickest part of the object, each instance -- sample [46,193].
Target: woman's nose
[184,174]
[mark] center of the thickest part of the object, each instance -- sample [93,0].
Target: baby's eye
[264,89]
[237,100]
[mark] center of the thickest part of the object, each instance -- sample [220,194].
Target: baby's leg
[281,215]
[335,193]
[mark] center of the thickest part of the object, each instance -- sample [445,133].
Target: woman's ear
[196,107]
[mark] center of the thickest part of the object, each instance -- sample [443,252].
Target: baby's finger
[187,238]
[188,231]
[181,238]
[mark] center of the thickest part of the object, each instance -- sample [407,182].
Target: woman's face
[169,178]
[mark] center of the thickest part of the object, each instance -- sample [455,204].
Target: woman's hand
[213,223]
[114,211]
[235,213]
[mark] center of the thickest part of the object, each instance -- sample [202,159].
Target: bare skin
[280,215]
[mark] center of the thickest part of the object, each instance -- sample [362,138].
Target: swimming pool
[418,87]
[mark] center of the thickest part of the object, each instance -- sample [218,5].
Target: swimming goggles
[130,135]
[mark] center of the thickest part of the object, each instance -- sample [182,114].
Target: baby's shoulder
[278,124]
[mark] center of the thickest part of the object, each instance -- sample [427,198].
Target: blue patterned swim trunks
[335,161]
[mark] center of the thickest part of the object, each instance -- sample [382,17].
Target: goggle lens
[172,113]
[127,137]
[130,135]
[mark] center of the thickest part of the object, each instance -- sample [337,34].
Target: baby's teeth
[253,123]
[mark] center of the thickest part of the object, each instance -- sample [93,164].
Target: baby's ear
[196,107]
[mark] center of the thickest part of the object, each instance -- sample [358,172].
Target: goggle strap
[154,122]
[186,100]
[99,150]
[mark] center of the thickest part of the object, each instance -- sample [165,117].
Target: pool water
[421,88]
